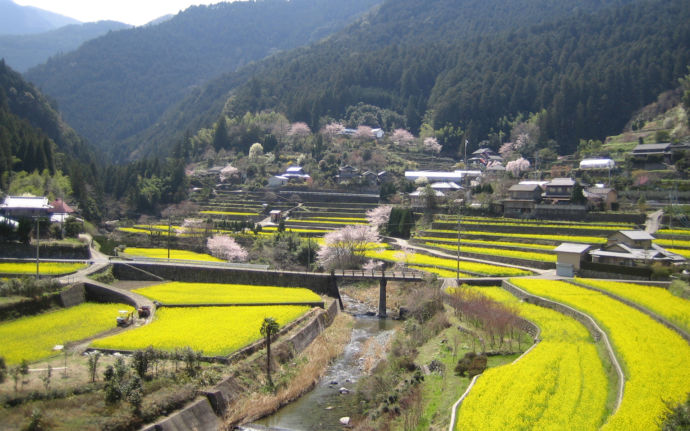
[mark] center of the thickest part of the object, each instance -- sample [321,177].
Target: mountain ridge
[117,85]
[17,19]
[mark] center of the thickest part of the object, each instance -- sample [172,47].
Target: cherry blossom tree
[402,137]
[344,248]
[225,247]
[228,172]
[431,145]
[364,133]
[516,167]
[299,129]
[379,216]
[332,130]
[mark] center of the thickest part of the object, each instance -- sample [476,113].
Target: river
[322,407]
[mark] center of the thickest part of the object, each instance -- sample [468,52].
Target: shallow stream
[330,400]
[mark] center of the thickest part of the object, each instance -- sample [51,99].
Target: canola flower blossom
[654,357]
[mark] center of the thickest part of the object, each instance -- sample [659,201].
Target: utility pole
[457,273]
[38,246]
[169,229]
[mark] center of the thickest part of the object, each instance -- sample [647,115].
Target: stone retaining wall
[73,295]
[321,284]
[23,251]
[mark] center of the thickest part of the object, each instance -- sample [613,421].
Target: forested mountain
[583,66]
[16,19]
[33,138]
[119,84]
[27,50]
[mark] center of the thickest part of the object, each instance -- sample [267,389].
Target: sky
[135,12]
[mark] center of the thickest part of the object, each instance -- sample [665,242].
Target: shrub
[676,418]
[472,364]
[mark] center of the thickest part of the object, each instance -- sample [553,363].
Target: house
[462,177]
[17,207]
[276,216]
[418,198]
[652,155]
[523,200]
[569,256]
[597,164]
[484,156]
[60,211]
[370,177]
[603,198]
[559,190]
[445,186]
[378,133]
[384,177]
[296,173]
[347,172]
[634,248]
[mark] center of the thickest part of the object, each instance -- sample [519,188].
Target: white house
[25,206]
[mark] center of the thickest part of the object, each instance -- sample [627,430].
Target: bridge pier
[382,297]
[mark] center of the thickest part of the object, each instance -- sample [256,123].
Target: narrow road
[402,243]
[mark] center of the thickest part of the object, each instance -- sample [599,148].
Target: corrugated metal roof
[637,235]
[569,247]
[26,202]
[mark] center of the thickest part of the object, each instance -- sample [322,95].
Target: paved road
[402,243]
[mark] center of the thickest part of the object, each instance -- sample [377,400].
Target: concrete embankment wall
[204,414]
[321,284]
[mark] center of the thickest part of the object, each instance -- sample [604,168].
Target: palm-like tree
[269,327]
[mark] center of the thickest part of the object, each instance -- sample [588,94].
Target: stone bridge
[319,282]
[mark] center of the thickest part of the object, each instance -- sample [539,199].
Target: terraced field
[215,331]
[560,384]
[45,268]
[33,338]
[654,357]
[211,293]
[656,299]
[423,260]
[162,253]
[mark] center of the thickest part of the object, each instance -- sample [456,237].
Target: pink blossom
[225,247]
[345,247]
[402,137]
[364,132]
[516,167]
[333,129]
[299,129]
[379,216]
[431,144]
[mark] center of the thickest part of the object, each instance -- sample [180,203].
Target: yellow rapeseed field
[162,253]
[33,338]
[450,264]
[213,330]
[561,384]
[655,358]
[516,254]
[212,293]
[656,299]
[45,268]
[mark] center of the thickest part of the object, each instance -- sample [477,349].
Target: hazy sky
[136,12]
